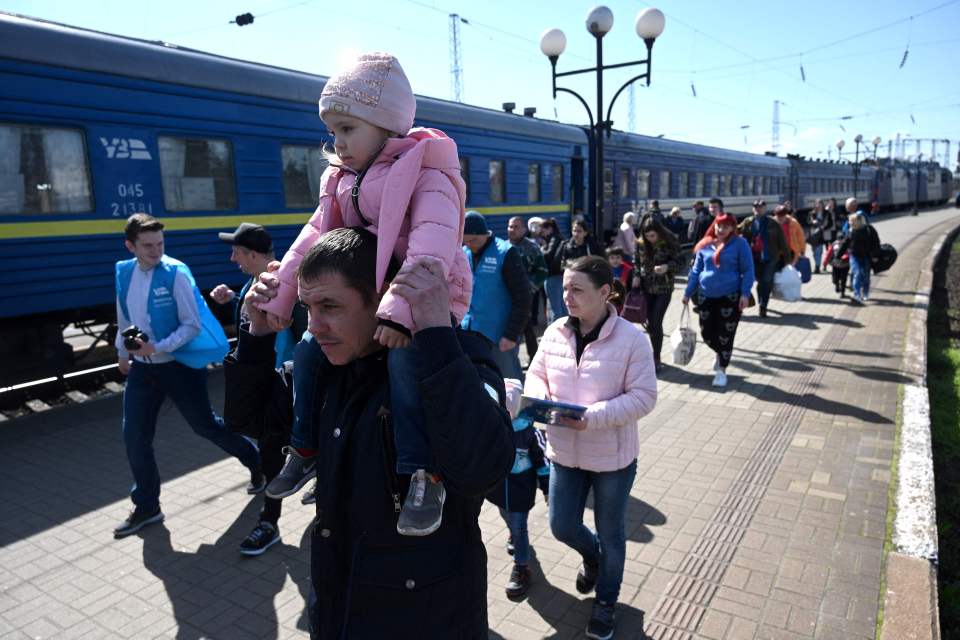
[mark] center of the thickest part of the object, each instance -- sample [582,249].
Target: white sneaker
[716,364]
[720,379]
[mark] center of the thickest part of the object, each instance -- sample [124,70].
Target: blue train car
[95,127]
[639,169]
[813,180]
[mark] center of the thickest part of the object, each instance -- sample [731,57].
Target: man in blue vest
[500,305]
[176,337]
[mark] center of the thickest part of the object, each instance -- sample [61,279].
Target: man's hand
[660,269]
[123,364]
[744,302]
[144,348]
[685,301]
[222,294]
[422,284]
[391,338]
[506,345]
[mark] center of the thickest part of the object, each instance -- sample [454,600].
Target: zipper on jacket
[390,462]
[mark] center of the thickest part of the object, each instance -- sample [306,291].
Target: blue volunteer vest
[491,303]
[210,345]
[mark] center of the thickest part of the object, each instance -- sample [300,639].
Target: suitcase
[884,258]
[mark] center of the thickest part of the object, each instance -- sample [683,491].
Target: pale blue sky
[741,56]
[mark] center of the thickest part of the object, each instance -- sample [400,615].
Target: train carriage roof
[43,42]
[662,146]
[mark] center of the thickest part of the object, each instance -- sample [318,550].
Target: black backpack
[884,258]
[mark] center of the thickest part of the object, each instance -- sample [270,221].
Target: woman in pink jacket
[598,360]
[404,185]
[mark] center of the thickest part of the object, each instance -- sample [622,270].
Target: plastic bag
[787,284]
[683,339]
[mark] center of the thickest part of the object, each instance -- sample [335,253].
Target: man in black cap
[252,252]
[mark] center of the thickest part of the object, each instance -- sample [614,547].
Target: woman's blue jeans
[554,288]
[860,268]
[817,256]
[607,547]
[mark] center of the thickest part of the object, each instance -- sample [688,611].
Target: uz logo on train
[130,195]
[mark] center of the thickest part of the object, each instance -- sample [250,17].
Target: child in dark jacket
[516,494]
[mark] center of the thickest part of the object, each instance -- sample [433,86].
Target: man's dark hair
[140,223]
[717,201]
[597,270]
[350,252]
[698,203]
[615,251]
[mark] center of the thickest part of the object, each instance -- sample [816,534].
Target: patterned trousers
[719,318]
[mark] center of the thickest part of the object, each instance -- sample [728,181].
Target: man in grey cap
[500,304]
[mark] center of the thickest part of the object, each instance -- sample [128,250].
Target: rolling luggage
[884,258]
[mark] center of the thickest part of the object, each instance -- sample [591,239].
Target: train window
[465,174]
[302,168]
[497,191]
[714,186]
[643,184]
[664,185]
[724,185]
[738,185]
[533,182]
[556,182]
[43,170]
[699,184]
[624,184]
[683,184]
[748,185]
[197,174]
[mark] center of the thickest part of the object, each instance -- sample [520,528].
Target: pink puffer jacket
[412,197]
[615,380]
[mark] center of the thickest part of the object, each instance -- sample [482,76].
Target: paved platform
[758,511]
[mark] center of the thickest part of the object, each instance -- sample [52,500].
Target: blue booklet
[547,411]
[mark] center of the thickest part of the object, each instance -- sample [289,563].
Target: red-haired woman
[723,273]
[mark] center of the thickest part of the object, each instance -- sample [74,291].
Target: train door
[576,185]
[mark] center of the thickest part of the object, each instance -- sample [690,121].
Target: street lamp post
[856,165]
[876,143]
[916,197]
[649,25]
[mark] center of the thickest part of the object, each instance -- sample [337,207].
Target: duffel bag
[884,258]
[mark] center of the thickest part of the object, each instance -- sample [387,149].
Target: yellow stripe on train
[55,228]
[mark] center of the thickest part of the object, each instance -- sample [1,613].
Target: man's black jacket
[371,582]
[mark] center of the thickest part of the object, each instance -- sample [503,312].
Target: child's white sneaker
[720,379]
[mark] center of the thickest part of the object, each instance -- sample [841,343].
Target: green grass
[943,380]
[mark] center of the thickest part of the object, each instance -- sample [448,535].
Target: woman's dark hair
[597,270]
[652,224]
[618,295]
[582,224]
[551,223]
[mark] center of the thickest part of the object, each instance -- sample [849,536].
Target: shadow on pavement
[81,447]
[569,614]
[218,593]
[809,401]
[640,517]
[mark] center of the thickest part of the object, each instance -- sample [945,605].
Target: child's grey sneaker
[257,482]
[138,519]
[297,471]
[423,509]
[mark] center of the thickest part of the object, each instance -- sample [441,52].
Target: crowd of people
[380,359]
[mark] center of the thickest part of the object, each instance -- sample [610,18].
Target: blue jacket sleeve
[467,424]
[693,278]
[745,262]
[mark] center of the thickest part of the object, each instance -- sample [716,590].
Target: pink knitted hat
[375,90]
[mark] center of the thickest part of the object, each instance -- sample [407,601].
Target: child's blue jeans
[413,450]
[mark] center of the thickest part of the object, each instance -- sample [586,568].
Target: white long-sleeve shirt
[137,296]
